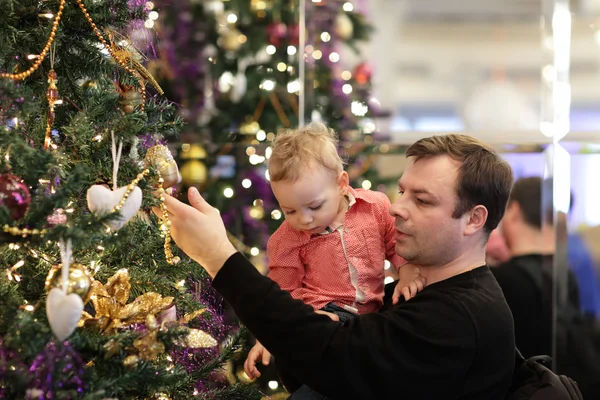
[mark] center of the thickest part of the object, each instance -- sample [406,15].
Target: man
[526,278]
[454,340]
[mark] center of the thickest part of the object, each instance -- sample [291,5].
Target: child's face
[313,201]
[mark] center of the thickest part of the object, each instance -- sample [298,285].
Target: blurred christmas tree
[93,306]
[234,67]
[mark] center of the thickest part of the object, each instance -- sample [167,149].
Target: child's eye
[317,207]
[289,212]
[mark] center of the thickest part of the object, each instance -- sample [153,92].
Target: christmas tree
[96,303]
[235,68]
[240,73]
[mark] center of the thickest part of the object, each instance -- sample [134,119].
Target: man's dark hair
[484,178]
[527,193]
[535,199]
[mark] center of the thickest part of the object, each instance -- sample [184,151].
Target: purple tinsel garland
[10,364]
[57,366]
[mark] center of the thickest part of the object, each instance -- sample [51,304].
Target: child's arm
[410,283]
[285,261]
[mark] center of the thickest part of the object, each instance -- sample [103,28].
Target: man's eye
[421,201]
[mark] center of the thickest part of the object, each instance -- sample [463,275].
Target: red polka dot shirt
[344,265]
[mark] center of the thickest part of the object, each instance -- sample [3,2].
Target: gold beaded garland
[22,75]
[166,227]
[118,59]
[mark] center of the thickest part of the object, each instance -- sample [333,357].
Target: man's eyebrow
[420,191]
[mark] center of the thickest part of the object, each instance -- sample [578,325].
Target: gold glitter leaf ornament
[110,304]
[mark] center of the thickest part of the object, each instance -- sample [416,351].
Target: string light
[276,215]
[359,108]
[387,264]
[348,7]
[346,75]
[246,183]
[317,54]
[347,88]
[291,50]
[325,37]
[268,85]
[261,135]
[254,251]
[271,49]
[366,184]
[334,57]
[228,192]
[255,159]
[232,18]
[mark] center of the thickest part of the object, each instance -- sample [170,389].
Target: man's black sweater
[454,340]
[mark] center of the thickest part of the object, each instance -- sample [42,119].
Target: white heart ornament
[101,200]
[64,312]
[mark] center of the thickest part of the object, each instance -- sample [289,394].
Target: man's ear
[476,219]
[343,183]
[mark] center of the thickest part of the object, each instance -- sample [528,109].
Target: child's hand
[333,316]
[258,352]
[411,282]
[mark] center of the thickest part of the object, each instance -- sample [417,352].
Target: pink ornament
[276,32]
[58,217]
[14,195]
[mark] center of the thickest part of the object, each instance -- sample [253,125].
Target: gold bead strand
[130,188]
[110,50]
[13,230]
[166,227]
[22,75]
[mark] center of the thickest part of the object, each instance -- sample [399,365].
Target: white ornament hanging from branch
[126,200]
[63,310]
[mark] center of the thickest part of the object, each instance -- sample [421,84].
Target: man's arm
[357,359]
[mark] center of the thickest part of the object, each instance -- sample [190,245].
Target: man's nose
[398,209]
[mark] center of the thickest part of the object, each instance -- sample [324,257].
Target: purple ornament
[14,195]
[149,141]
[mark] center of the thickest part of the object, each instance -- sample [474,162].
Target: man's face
[426,232]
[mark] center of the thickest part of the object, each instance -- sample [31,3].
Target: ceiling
[432,53]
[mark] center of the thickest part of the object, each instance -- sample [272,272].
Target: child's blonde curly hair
[294,149]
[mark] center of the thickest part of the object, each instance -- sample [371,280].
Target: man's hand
[258,352]
[411,282]
[199,231]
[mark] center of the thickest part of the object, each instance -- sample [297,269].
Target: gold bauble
[261,5]
[80,280]
[130,362]
[257,212]
[160,157]
[343,26]
[192,150]
[249,128]
[193,172]
[231,40]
